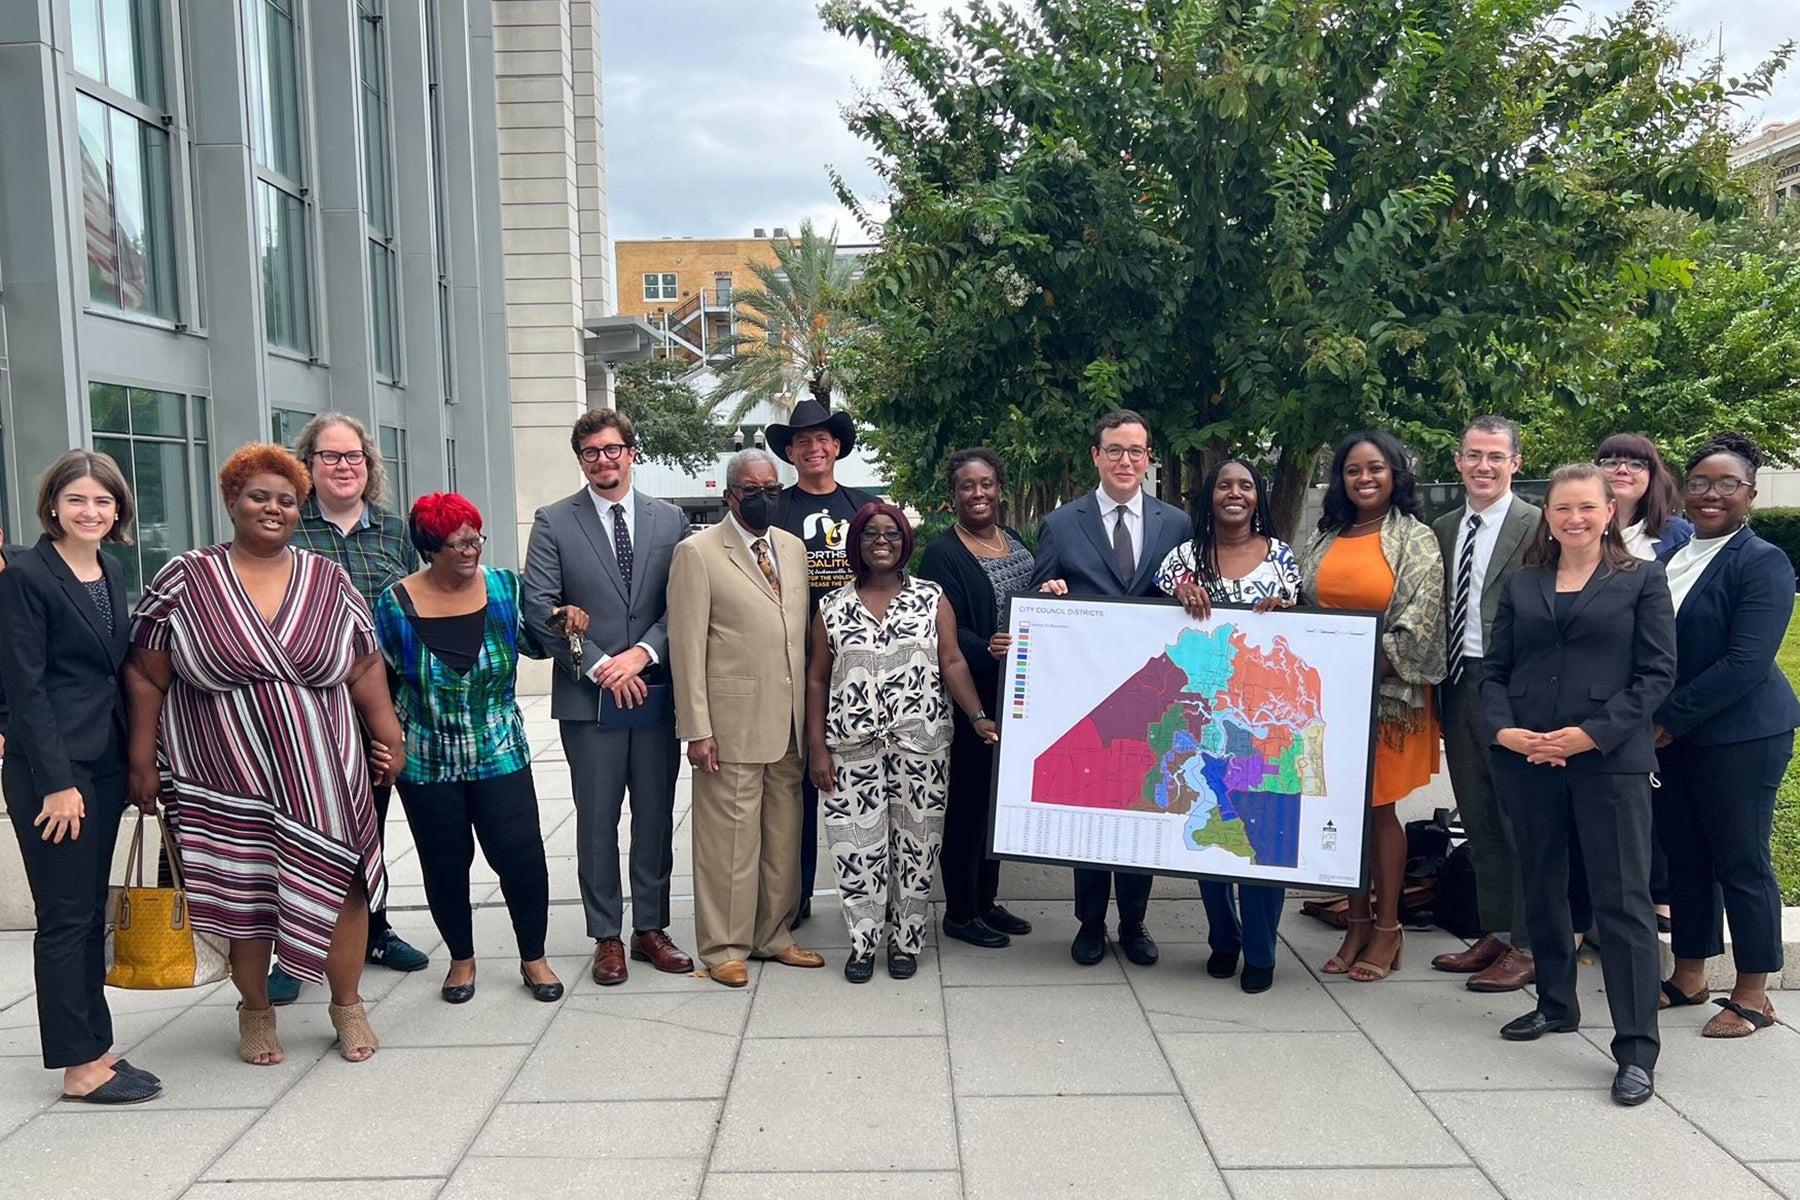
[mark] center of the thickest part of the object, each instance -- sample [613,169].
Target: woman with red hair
[452,637]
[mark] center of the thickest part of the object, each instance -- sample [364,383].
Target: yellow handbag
[150,945]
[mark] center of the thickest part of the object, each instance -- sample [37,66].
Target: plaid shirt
[375,553]
[458,727]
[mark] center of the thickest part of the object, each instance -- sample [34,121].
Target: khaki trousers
[746,851]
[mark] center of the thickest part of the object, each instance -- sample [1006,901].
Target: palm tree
[793,329]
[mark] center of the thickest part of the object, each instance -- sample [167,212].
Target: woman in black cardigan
[1725,735]
[63,637]
[978,563]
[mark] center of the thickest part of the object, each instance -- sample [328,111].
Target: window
[160,441]
[281,198]
[391,441]
[378,192]
[659,286]
[127,204]
[450,464]
[285,425]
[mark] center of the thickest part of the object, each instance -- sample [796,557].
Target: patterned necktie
[1459,610]
[622,544]
[1124,561]
[761,546]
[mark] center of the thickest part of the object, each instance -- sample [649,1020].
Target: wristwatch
[980,716]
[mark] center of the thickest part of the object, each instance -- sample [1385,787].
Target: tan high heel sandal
[1363,970]
[1335,965]
[354,1031]
[256,1036]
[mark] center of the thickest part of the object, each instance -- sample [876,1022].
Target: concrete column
[347,342]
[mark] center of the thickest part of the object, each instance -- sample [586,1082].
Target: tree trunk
[820,387]
[1293,474]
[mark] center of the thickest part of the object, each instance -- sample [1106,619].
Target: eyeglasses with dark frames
[467,545]
[612,452]
[1699,485]
[332,458]
[1636,466]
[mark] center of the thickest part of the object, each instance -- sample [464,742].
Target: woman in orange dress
[1372,551]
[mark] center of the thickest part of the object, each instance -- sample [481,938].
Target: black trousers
[446,820]
[1714,812]
[971,878]
[809,834]
[1094,888]
[1553,808]
[68,890]
[378,922]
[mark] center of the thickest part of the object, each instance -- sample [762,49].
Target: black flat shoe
[1138,945]
[461,993]
[901,965]
[1001,921]
[976,933]
[1632,1086]
[1534,1025]
[546,993]
[1256,979]
[802,916]
[1222,964]
[122,1088]
[127,1068]
[860,970]
[1089,946]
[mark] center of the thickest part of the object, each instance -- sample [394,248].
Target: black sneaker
[859,970]
[901,965]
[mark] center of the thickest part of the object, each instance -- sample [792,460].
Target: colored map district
[1227,734]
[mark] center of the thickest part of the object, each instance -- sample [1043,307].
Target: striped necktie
[1459,611]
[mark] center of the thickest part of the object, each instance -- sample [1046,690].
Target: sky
[722,116]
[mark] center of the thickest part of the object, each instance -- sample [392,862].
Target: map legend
[1021,655]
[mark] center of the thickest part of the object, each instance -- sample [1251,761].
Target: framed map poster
[1133,737]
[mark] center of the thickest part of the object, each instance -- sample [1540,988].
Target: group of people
[269,690]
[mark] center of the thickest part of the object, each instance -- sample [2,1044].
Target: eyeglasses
[612,452]
[1636,466]
[468,545]
[1136,454]
[883,535]
[1728,486]
[332,458]
[772,491]
[1492,458]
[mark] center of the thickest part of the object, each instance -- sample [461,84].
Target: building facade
[1775,150]
[219,217]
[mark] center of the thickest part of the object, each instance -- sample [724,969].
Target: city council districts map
[1134,736]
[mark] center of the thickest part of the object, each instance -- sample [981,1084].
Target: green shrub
[1785,845]
[1781,526]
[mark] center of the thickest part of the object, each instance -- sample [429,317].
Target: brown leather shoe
[1479,957]
[654,947]
[609,962]
[731,974]
[1510,972]
[799,956]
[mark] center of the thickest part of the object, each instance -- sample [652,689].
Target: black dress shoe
[976,933]
[860,970]
[1632,1086]
[900,964]
[802,916]
[1222,965]
[1534,1025]
[545,993]
[127,1068]
[462,993]
[1089,946]
[1256,979]
[1001,921]
[1138,945]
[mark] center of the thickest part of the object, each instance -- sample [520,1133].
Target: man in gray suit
[607,549]
[1482,543]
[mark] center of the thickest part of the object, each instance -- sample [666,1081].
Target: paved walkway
[992,1074]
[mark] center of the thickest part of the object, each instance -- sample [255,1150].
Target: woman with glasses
[1645,490]
[878,737]
[452,637]
[1724,737]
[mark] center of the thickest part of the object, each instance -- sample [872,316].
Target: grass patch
[1786,842]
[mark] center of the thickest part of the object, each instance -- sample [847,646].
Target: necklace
[998,541]
[1370,521]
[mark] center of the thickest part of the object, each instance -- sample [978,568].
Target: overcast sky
[722,116]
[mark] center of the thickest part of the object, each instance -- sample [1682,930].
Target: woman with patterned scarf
[1372,551]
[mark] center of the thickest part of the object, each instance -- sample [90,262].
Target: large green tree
[676,426]
[1261,225]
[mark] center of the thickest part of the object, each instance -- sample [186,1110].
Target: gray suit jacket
[570,560]
[1509,553]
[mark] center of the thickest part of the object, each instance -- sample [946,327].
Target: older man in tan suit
[737,650]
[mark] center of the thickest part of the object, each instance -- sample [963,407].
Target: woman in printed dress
[251,663]
[1234,559]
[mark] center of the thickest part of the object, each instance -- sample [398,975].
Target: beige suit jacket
[737,651]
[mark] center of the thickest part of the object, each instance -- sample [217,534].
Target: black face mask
[757,511]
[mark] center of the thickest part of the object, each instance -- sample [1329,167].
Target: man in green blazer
[1482,543]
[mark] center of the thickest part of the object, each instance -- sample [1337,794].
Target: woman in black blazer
[978,563]
[1583,650]
[1725,735]
[63,638]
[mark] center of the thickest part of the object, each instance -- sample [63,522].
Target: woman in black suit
[1583,651]
[65,637]
[1725,736]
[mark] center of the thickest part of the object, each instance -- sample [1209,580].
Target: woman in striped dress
[251,663]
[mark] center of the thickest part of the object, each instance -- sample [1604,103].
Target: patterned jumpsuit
[887,724]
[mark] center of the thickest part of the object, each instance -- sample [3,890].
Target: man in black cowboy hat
[817,510]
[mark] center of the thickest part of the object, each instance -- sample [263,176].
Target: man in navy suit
[1109,543]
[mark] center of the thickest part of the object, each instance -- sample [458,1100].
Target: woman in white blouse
[1647,493]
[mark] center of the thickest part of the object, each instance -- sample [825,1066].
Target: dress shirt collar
[1493,515]
[1108,506]
[603,506]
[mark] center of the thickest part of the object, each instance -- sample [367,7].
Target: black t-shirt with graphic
[823,523]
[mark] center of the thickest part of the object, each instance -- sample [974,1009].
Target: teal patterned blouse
[458,727]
